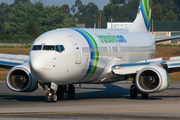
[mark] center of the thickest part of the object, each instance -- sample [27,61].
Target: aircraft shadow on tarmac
[110,91]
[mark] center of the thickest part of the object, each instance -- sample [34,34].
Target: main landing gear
[134,92]
[55,92]
[70,90]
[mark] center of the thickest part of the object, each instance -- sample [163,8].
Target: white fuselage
[88,54]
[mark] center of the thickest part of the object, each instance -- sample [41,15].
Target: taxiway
[108,101]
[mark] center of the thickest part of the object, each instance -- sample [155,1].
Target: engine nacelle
[152,79]
[20,79]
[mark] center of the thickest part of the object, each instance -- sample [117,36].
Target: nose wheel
[51,97]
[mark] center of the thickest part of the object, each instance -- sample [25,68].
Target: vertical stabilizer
[143,17]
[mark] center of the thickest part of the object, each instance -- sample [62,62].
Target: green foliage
[2,30]
[32,29]
[15,17]
[170,10]
[89,12]
[20,1]
[117,2]
[85,12]
[46,17]
[65,9]
[5,9]
[22,38]
[119,13]
[161,10]
[157,13]
[171,16]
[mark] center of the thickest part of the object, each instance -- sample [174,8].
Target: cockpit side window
[48,47]
[59,48]
[37,47]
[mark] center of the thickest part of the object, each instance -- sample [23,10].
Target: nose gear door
[77,50]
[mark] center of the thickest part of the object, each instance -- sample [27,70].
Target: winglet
[143,17]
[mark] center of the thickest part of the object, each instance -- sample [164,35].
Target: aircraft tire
[133,92]
[60,92]
[53,97]
[71,91]
[48,98]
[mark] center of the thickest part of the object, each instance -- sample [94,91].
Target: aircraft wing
[9,60]
[171,65]
[167,38]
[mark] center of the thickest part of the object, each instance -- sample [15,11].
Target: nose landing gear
[52,95]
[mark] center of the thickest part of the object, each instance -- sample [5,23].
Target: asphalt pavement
[108,101]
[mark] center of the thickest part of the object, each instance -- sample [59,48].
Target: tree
[20,1]
[5,9]
[157,13]
[117,2]
[32,29]
[46,17]
[171,16]
[85,12]
[78,3]
[119,13]
[65,9]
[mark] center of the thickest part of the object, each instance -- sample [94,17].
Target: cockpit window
[37,47]
[59,48]
[47,47]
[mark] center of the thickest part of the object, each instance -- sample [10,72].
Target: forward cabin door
[77,50]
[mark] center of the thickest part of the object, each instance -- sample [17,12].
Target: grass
[161,46]
[164,51]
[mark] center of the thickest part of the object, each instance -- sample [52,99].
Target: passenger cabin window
[47,47]
[37,47]
[59,48]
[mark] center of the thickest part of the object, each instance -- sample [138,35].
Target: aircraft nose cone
[35,66]
[40,66]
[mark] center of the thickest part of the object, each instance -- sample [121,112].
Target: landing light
[50,94]
[117,67]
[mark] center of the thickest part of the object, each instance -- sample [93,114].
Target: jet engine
[152,79]
[20,79]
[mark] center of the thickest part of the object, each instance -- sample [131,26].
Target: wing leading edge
[9,60]
[172,65]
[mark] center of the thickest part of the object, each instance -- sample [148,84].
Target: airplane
[60,58]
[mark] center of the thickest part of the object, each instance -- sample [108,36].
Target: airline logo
[111,38]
